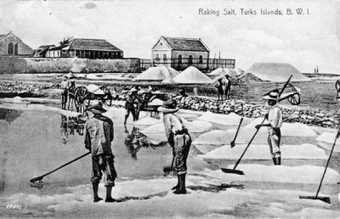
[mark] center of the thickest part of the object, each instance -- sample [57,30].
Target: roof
[92,44]
[187,44]
[277,72]
[3,36]
[192,75]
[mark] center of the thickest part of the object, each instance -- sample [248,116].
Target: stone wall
[290,114]
[60,65]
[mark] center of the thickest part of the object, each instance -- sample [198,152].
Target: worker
[130,104]
[64,86]
[227,86]
[274,118]
[219,85]
[179,139]
[98,137]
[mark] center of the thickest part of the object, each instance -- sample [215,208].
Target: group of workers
[99,133]
[99,136]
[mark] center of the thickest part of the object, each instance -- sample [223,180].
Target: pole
[329,158]
[54,170]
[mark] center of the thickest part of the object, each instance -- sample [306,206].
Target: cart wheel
[294,99]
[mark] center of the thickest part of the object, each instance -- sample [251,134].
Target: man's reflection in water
[69,125]
[135,140]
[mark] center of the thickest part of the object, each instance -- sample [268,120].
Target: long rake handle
[329,158]
[249,143]
[238,129]
[58,168]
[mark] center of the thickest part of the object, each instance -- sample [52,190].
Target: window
[190,60]
[201,60]
[179,59]
[157,57]
[16,49]
[164,58]
[77,53]
[10,49]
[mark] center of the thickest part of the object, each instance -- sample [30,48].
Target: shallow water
[34,142]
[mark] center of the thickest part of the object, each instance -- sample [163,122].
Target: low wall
[60,65]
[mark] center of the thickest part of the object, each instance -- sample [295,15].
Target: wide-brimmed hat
[272,95]
[96,109]
[168,106]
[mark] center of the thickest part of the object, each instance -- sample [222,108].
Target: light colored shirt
[172,124]
[94,135]
[275,117]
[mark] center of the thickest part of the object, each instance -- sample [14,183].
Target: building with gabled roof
[179,52]
[86,48]
[11,45]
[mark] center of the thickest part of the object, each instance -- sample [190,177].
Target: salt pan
[261,152]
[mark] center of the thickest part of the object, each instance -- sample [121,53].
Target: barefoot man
[274,124]
[180,141]
[98,138]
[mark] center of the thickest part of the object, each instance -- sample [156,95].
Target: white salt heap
[261,152]
[222,119]
[198,126]
[306,174]
[192,75]
[326,140]
[287,129]
[146,121]
[214,137]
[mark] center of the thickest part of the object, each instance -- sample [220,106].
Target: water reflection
[9,115]
[135,140]
[69,125]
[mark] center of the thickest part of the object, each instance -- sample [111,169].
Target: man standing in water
[274,124]
[131,104]
[180,141]
[98,138]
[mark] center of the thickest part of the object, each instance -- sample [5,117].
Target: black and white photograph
[170,109]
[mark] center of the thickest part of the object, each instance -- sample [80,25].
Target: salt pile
[306,174]
[215,137]
[192,75]
[297,129]
[198,126]
[146,121]
[156,133]
[158,73]
[326,140]
[222,119]
[261,152]
[39,107]
[287,129]
[282,72]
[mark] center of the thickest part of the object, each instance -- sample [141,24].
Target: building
[180,53]
[85,48]
[42,50]
[11,45]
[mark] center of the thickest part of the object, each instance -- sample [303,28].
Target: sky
[135,25]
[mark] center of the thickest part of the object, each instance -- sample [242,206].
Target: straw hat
[272,95]
[168,106]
